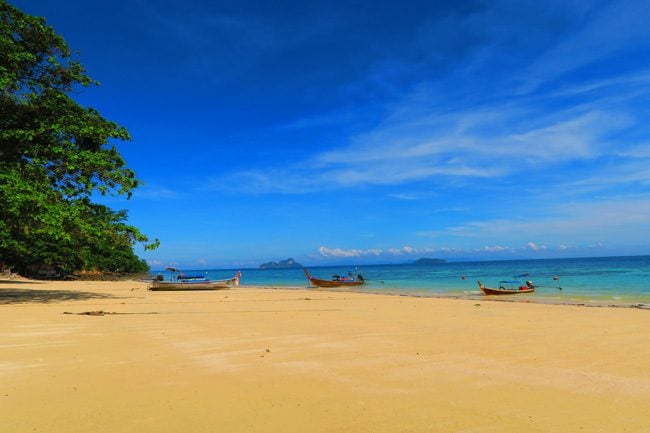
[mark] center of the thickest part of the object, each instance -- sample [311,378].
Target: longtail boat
[336,281]
[192,282]
[508,288]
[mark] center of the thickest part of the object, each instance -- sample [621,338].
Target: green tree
[54,154]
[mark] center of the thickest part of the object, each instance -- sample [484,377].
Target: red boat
[508,288]
[336,281]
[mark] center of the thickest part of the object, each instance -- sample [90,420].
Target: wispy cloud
[611,221]
[613,28]
[632,175]
[459,128]
[435,133]
[405,197]
[155,192]
[318,120]
[627,83]
[640,151]
[468,146]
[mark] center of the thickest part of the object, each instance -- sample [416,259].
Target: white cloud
[533,246]
[342,253]
[529,249]
[339,252]
[493,249]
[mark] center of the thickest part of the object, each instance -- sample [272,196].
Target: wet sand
[114,357]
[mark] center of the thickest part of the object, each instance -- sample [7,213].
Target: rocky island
[427,261]
[282,264]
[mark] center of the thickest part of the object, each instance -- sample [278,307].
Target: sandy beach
[279,360]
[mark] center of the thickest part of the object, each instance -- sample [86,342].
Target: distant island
[282,264]
[426,261]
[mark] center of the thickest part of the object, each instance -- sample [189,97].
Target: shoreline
[578,301]
[108,356]
[524,298]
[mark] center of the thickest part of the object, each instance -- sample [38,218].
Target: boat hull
[333,283]
[195,284]
[189,286]
[492,291]
[503,291]
[328,283]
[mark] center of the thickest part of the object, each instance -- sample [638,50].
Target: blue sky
[374,132]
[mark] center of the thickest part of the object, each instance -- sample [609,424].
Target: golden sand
[270,360]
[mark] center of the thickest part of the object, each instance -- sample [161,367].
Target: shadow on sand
[35,296]
[18,282]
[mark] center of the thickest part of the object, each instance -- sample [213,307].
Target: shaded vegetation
[54,155]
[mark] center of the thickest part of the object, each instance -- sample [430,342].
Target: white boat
[192,282]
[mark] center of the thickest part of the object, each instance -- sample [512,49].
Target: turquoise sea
[602,279]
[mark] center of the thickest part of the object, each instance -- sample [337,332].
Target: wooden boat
[508,288]
[336,281]
[193,282]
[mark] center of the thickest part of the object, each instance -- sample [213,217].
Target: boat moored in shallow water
[508,288]
[336,281]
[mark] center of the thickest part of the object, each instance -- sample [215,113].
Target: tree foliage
[54,155]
